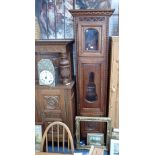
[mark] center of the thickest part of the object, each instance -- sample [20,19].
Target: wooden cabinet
[55,103]
[91,39]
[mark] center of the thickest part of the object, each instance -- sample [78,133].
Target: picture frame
[38,136]
[96,139]
[92,4]
[54,19]
[93,119]
[114,147]
[115,134]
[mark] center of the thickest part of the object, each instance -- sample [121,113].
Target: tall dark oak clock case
[91,38]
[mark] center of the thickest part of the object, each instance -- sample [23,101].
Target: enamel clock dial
[46,77]
[46,72]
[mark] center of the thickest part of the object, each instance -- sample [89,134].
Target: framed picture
[91,138]
[95,139]
[54,19]
[92,4]
[114,147]
[115,134]
[38,137]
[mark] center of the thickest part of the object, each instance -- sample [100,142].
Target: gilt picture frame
[93,119]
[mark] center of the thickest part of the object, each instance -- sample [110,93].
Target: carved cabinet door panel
[92,87]
[51,104]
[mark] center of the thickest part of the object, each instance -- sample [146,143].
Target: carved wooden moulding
[88,12]
[91,19]
[53,46]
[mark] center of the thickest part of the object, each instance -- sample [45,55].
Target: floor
[84,152]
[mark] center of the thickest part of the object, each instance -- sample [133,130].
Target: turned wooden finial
[64,68]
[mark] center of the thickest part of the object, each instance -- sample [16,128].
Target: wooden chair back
[56,135]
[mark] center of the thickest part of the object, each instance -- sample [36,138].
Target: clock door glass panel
[91,39]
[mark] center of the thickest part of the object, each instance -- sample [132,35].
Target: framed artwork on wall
[92,4]
[54,18]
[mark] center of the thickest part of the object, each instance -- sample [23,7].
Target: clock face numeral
[46,77]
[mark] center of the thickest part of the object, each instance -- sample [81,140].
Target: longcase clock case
[91,38]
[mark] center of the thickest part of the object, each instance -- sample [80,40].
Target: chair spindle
[68,142]
[58,135]
[52,141]
[46,144]
[63,138]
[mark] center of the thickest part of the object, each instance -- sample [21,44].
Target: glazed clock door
[92,82]
[91,37]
